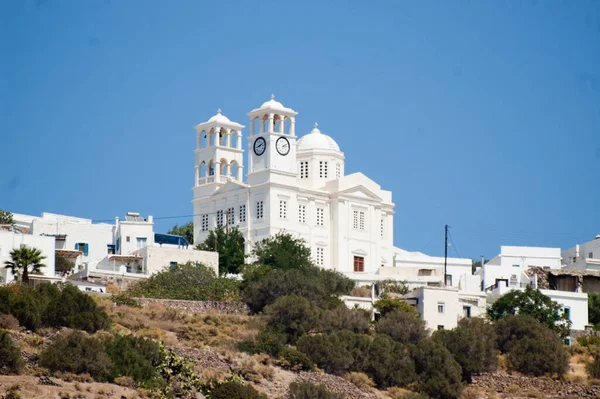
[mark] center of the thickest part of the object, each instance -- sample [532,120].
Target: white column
[282,127]
[271,130]
[197,175]
[262,125]
[293,126]
[228,138]
[240,175]
[217,170]
[239,140]
[198,140]
[252,126]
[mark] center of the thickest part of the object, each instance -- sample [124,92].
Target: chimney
[577,251]
[150,219]
[117,221]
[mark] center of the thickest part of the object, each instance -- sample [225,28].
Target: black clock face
[283,146]
[260,145]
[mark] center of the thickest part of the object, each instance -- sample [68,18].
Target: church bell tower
[272,143]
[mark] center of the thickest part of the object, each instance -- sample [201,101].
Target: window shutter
[85,249]
[77,246]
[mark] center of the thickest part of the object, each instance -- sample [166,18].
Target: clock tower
[272,143]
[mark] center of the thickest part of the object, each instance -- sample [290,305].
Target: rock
[44,380]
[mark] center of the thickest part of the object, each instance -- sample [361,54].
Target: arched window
[234,169]
[211,168]
[212,138]
[224,167]
[223,137]
[202,169]
[203,139]
[234,139]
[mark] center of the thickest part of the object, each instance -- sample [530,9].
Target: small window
[448,280]
[88,288]
[302,214]
[567,313]
[359,220]
[172,264]
[467,311]
[282,209]
[242,213]
[259,209]
[320,216]
[323,169]
[359,264]
[591,255]
[320,256]
[128,239]
[140,242]
[205,222]
[382,229]
[440,327]
[220,218]
[338,172]
[230,216]
[83,247]
[516,266]
[110,249]
[441,307]
[304,169]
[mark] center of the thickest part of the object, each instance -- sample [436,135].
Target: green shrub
[592,340]
[512,328]
[135,357]
[10,356]
[389,363]
[74,352]
[295,360]
[266,342]
[22,302]
[187,281]
[307,390]
[263,286]
[593,368]
[388,304]
[292,316]
[402,327]
[74,309]
[341,318]
[235,390]
[439,375]
[125,299]
[539,355]
[328,352]
[473,345]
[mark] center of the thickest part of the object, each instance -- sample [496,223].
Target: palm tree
[25,260]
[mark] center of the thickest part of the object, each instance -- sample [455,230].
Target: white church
[298,185]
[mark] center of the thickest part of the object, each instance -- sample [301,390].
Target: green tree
[230,246]
[25,260]
[473,345]
[402,327]
[594,308]
[387,304]
[135,357]
[439,375]
[6,218]
[389,363]
[531,302]
[291,315]
[185,230]
[282,251]
[63,265]
[11,361]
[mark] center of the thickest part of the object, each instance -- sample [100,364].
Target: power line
[454,245]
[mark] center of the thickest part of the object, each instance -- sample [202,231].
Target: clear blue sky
[481,114]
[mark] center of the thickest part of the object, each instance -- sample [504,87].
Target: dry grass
[361,380]
[224,331]
[472,392]
[396,393]
[577,363]
[254,368]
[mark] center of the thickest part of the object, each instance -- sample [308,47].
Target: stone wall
[198,307]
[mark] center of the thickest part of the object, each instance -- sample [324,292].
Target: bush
[514,328]
[263,286]
[341,318]
[125,299]
[235,390]
[73,309]
[593,368]
[295,360]
[292,316]
[439,375]
[187,281]
[402,327]
[266,342]
[389,363]
[76,353]
[307,390]
[282,251]
[327,351]
[473,345]
[135,357]
[10,356]
[22,302]
[539,355]
[387,304]
[8,322]
[360,380]
[592,340]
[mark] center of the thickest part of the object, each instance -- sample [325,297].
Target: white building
[299,185]
[583,256]
[442,308]
[510,265]
[11,239]
[128,248]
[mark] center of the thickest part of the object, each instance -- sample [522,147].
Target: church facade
[293,184]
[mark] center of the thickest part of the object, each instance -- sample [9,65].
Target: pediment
[361,192]
[231,185]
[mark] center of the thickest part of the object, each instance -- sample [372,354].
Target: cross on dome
[219,111]
[272,96]
[316,125]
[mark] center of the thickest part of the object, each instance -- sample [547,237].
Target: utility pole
[445,253]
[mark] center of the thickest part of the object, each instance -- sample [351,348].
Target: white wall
[11,240]
[132,231]
[157,258]
[579,257]
[576,302]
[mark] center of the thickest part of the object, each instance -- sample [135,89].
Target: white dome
[316,140]
[219,118]
[272,103]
